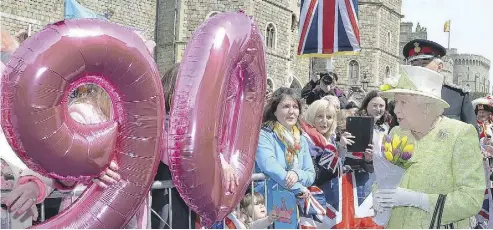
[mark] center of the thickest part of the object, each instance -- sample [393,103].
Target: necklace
[420,135]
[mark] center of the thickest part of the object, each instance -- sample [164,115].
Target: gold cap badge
[417,49]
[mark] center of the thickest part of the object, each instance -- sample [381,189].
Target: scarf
[290,139]
[316,137]
[327,148]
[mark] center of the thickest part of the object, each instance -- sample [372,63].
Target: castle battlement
[470,59]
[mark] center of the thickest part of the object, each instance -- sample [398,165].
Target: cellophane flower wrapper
[388,176]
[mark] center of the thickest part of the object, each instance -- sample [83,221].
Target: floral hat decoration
[415,80]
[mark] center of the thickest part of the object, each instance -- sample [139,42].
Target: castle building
[470,71]
[171,24]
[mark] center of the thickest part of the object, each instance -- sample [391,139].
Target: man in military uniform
[425,53]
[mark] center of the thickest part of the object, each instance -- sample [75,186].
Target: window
[270,36]
[353,69]
[387,72]
[212,14]
[389,38]
[294,22]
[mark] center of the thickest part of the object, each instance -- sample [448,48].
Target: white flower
[392,81]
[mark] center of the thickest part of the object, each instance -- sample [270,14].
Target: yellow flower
[385,87]
[388,147]
[404,141]
[396,140]
[408,148]
[388,156]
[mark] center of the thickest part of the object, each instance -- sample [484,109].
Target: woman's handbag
[437,214]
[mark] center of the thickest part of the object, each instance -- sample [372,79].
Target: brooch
[442,134]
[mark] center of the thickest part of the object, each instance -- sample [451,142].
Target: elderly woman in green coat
[446,158]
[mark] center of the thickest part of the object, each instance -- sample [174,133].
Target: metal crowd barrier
[168,185]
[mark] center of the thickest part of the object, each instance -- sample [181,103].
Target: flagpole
[449,40]
[449,27]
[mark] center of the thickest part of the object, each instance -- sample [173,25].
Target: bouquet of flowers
[397,150]
[390,164]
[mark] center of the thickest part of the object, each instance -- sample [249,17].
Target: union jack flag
[349,204]
[328,27]
[484,213]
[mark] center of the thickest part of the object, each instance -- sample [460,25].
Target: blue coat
[271,161]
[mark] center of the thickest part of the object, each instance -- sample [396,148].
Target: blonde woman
[328,155]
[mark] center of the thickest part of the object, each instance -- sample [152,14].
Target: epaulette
[457,88]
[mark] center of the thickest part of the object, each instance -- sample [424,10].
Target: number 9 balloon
[217,108]
[37,83]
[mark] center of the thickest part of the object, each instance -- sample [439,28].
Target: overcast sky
[471,27]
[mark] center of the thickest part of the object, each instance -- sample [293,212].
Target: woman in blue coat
[282,153]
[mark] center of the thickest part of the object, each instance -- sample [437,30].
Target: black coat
[460,105]
[310,94]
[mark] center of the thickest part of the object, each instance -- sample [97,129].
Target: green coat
[448,161]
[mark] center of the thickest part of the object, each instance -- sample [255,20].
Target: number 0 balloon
[217,108]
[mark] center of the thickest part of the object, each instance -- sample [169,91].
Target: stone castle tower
[470,71]
[277,19]
[379,23]
[408,34]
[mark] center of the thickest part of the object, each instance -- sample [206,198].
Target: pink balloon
[217,108]
[42,73]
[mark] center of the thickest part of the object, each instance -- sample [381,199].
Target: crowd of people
[304,147]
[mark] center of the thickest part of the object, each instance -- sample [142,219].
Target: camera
[327,78]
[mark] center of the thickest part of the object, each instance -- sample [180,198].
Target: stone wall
[166,50]
[448,70]
[471,71]
[17,15]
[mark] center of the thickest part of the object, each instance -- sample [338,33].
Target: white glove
[389,198]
